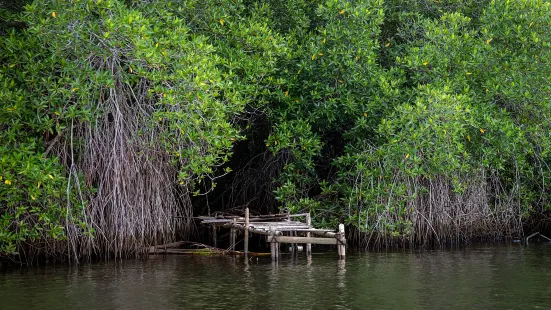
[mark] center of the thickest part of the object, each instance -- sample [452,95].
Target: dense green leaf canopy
[416,121]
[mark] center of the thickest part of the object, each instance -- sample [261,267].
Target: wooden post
[341,247]
[308,245]
[274,248]
[246,239]
[272,244]
[302,240]
[233,232]
[293,245]
[214,236]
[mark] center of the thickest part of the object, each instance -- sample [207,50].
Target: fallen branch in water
[536,234]
[202,249]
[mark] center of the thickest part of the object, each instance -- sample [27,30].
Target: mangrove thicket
[412,122]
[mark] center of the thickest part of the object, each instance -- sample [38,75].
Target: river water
[481,277]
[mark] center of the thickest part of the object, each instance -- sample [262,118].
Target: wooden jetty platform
[278,229]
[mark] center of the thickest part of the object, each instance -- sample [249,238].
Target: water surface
[482,277]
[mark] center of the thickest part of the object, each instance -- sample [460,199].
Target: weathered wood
[313,230]
[214,236]
[187,251]
[280,228]
[260,218]
[283,224]
[171,245]
[309,223]
[536,234]
[260,231]
[216,221]
[290,225]
[299,215]
[273,250]
[342,242]
[329,234]
[233,233]
[246,237]
[289,239]
[205,252]
[253,229]
[293,245]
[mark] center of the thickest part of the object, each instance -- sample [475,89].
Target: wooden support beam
[293,246]
[233,233]
[214,236]
[246,239]
[281,228]
[299,215]
[289,239]
[342,242]
[308,245]
[329,234]
[253,229]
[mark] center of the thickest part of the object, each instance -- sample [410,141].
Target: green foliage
[67,68]
[34,201]
[458,98]
[382,111]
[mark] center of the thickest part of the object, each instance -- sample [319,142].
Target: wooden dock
[278,229]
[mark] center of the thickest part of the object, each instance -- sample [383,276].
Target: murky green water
[505,277]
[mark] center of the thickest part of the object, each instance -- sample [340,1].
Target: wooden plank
[289,239]
[328,234]
[259,231]
[299,215]
[215,221]
[283,223]
[253,229]
[280,228]
[260,218]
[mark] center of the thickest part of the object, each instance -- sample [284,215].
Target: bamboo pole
[246,239]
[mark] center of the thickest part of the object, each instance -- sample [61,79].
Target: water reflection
[341,273]
[482,278]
